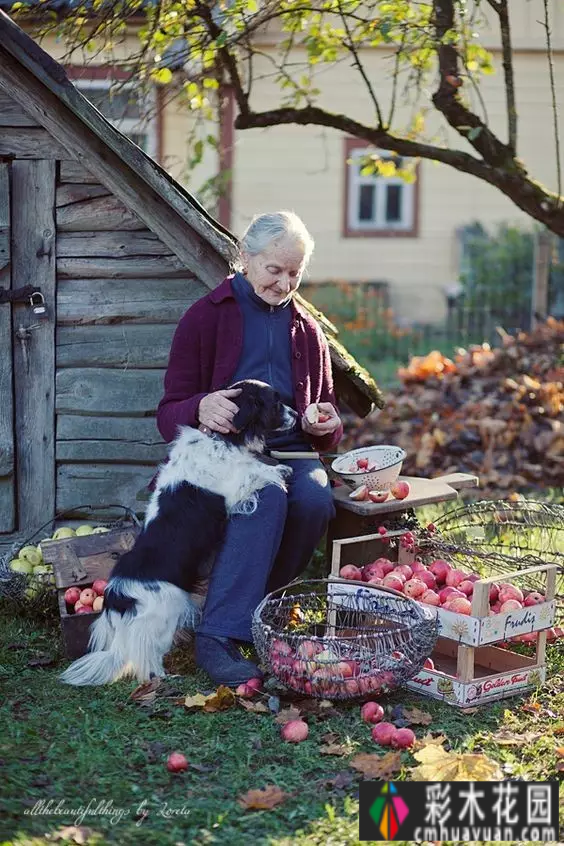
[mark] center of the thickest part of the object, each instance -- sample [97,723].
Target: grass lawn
[76,746]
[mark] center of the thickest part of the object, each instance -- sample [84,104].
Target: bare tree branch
[350,46]
[448,101]
[501,8]
[554,105]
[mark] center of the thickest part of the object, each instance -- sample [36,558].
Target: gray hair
[265,228]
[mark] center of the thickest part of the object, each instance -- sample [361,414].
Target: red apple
[294,731]
[372,712]
[360,494]
[419,567]
[385,565]
[533,598]
[494,592]
[378,496]
[72,595]
[349,571]
[460,605]
[83,609]
[362,463]
[382,733]
[455,577]
[440,568]
[403,738]
[245,692]
[508,591]
[446,592]
[78,604]
[87,596]
[403,570]
[510,605]
[429,664]
[427,577]
[466,587]
[372,569]
[176,762]
[309,649]
[351,687]
[393,581]
[99,586]
[414,588]
[430,598]
[400,489]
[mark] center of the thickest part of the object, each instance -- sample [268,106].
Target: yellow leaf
[221,700]
[264,799]
[162,75]
[256,707]
[196,701]
[436,764]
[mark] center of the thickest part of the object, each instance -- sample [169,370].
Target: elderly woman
[250,327]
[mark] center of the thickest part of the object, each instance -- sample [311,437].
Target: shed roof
[140,182]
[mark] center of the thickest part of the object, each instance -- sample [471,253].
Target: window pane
[366,199]
[115,105]
[394,198]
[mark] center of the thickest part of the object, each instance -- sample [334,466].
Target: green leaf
[474,132]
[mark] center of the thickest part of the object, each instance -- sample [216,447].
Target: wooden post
[33,263]
[7,498]
[541,272]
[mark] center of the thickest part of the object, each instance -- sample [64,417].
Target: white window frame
[145,126]
[379,223]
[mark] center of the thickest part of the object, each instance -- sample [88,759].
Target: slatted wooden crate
[80,561]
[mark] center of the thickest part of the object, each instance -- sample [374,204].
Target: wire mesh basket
[329,639]
[521,532]
[26,580]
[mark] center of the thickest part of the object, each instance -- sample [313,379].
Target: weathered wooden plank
[73,171]
[128,440]
[4,246]
[117,163]
[128,267]
[7,489]
[96,215]
[33,244]
[110,244]
[102,391]
[70,193]
[81,301]
[29,143]
[125,345]
[102,484]
[12,114]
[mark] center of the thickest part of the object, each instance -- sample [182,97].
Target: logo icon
[388,811]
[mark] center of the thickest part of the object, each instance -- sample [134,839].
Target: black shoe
[223,662]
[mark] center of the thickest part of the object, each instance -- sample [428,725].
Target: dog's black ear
[248,408]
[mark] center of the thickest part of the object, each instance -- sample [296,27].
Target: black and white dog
[205,480]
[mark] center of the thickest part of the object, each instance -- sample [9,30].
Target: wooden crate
[494,673]
[80,561]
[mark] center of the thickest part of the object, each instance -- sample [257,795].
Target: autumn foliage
[493,412]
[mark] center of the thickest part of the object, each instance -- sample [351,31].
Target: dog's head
[260,411]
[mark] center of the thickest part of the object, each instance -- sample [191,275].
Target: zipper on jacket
[271,309]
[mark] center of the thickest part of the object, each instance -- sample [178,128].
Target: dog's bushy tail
[103,663]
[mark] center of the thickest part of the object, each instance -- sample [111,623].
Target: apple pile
[316,670]
[440,584]
[89,600]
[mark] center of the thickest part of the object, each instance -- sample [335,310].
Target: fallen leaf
[506,737]
[264,799]
[221,700]
[256,707]
[202,768]
[287,715]
[330,737]
[76,833]
[196,701]
[377,766]
[417,717]
[341,781]
[146,693]
[436,764]
[560,752]
[429,740]
[335,749]
[531,707]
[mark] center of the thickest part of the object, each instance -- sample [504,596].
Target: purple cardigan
[205,351]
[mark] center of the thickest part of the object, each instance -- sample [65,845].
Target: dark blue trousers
[266,550]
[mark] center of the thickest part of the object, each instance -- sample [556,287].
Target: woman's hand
[216,411]
[328,426]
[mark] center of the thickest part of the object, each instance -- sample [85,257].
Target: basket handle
[382,588]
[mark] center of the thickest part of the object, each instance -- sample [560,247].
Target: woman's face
[277,271]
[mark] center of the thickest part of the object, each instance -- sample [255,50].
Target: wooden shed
[118,251]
